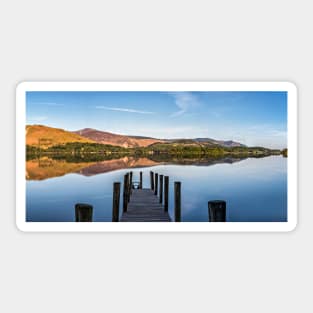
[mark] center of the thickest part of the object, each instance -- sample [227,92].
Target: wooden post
[125,197]
[128,188]
[166,186]
[156,181]
[177,192]
[131,182]
[83,212]
[140,181]
[217,211]
[152,180]
[161,188]
[116,201]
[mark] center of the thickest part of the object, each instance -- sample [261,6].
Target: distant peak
[85,129]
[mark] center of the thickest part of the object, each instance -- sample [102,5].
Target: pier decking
[147,204]
[144,206]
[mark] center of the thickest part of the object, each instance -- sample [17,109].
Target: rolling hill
[48,136]
[116,140]
[141,141]
[223,143]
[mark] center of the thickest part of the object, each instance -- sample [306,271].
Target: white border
[23,87]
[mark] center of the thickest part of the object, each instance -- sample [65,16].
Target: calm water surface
[255,189]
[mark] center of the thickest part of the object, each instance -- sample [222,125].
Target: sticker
[156,156]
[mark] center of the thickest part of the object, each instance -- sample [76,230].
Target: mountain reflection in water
[49,167]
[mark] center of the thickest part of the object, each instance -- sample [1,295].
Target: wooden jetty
[147,204]
[144,206]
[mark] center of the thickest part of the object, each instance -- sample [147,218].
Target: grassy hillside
[123,141]
[44,136]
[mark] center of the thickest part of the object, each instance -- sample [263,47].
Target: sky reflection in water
[255,191]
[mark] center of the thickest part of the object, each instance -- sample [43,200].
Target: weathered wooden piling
[125,196]
[128,187]
[116,202]
[156,181]
[151,180]
[131,182]
[161,189]
[217,211]
[166,189]
[177,193]
[140,180]
[83,212]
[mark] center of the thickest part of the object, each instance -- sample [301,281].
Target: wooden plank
[144,206]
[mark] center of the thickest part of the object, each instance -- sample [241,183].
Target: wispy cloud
[123,110]
[266,135]
[37,119]
[277,133]
[266,130]
[184,102]
[51,104]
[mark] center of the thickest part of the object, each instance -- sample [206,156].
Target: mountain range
[48,136]
[115,139]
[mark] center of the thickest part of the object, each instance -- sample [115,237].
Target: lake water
[255,189]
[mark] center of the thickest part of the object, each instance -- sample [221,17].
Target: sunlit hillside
[44,136]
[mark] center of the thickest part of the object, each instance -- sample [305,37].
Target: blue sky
[252,118]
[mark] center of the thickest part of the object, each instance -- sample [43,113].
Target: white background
[155,40]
